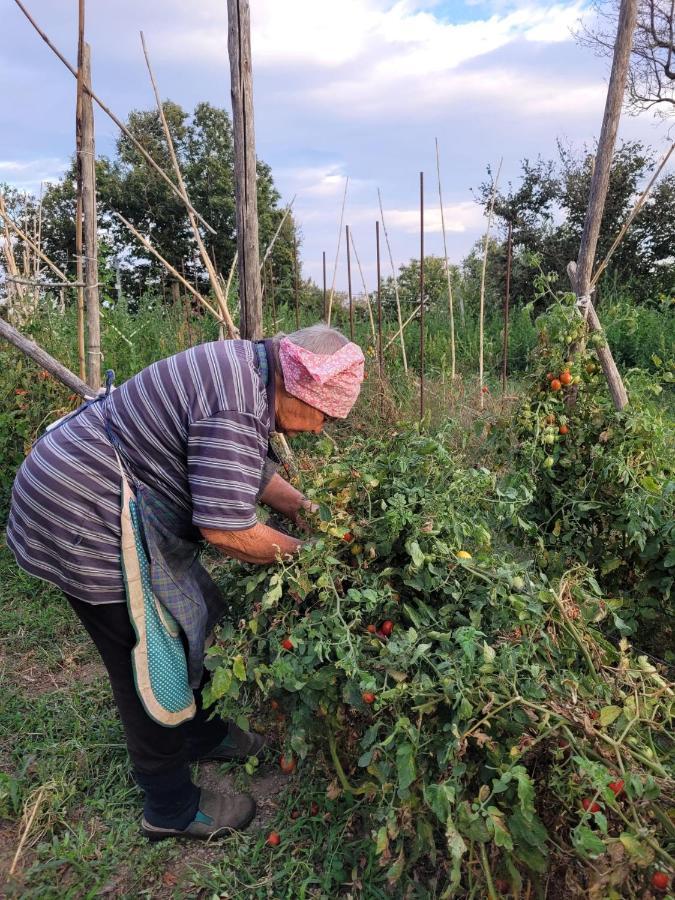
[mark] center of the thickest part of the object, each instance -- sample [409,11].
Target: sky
[342,88]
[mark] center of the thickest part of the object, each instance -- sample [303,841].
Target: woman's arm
[285,499]
[260,544]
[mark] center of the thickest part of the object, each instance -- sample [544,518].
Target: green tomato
[517,583]
[548,462]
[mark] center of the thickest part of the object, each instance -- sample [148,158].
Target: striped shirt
[193,427]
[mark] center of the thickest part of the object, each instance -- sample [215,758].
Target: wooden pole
[401,326]
[324,285]
[365,289]
[380,355]
[349,286]
[481,322]
[507,294]
[296,284]
[337,253]
[273,296]
[421,296]
[245,175]
[79,160]
[88,155]
[451,310]
[44,360]
[599,188]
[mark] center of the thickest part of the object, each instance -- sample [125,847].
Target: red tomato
[287,765]
[590,807]
[348,537]
[616,787]
[387,627]
[287,644]
[565,378]
[660,881]
[485,389]
[555,385]
[563,429]
[367,697]
[273,839]
[372,629]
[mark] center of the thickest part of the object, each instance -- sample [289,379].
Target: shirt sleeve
[226,455]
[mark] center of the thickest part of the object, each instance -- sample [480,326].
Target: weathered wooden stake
[581,275]
[79,160]
[88,156]
[324,285]
[447,267]
[349,286]
[245,175]
[380,355]
[507,294]
[481,314]
[421,296]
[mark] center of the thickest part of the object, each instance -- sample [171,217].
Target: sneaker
[239,745]
[217,816]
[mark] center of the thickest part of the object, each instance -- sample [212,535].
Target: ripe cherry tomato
[555,385]
[348,537]
[660,881]
[616,787]
[287,764]
[387,627]
[273,839]
[565,378]
[287,644]
[367,697]
[371,629]
[563,429]
[590,807]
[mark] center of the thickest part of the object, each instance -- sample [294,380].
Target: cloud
[28,174]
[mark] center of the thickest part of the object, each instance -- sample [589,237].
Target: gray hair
[320,339]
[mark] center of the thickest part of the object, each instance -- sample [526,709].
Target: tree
[651,78]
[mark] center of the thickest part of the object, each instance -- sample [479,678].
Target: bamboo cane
[167,265]
[365,289]
[337,253]
[401,326]
[481,322]
[447,268]
[271,244]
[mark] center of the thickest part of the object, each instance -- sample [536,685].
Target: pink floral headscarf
[329,382]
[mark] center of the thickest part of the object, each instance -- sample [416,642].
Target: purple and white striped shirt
[193,427]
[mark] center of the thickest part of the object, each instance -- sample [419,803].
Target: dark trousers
[160,756]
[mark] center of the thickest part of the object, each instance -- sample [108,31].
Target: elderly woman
[111,504]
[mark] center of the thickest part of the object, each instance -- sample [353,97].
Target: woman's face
[293,416]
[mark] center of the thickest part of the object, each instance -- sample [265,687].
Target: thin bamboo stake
[123,128]
[380,358]
[447,268]
[12,267]
[365,289]
[481,322]
[24,237]
[206,259]
[633,213]
[349,285]
[167,265]
[401,326]
[507,297]
[296,285]
[272,296]
[421,296]
[271,244]
[324,284]
[337,252]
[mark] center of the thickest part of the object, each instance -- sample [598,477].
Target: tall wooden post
[581,277]
[239,49]
[325,297]
[421,296]
[88,156]
[296,284]
[79,261]
[507,297]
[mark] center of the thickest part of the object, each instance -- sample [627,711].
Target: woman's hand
[285,499]
[260,545]
[306,509]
